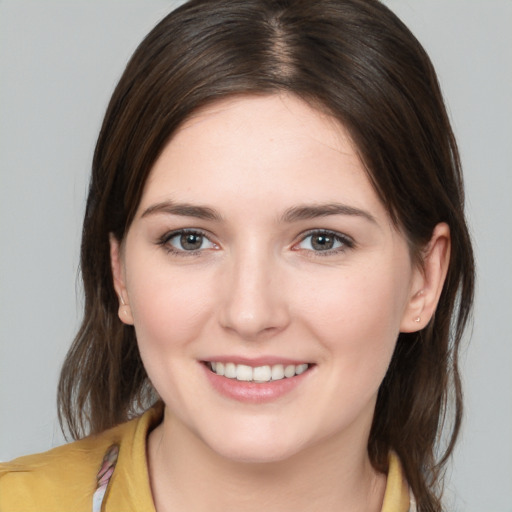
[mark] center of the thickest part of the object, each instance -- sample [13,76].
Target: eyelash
[345,241]
[165,239]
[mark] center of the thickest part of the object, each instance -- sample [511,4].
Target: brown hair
[352,58]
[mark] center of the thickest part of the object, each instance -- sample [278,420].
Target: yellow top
[64,479]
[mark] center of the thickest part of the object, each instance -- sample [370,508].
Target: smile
[258,374]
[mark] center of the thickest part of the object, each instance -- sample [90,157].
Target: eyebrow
[184,210]
[294,214]
[308,212]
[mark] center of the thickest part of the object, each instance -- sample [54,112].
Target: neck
[333,476]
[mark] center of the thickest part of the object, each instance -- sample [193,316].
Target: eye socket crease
[291,215]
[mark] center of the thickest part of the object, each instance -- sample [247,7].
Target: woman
[275,254]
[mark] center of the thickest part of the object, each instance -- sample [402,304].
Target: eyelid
[169,235]
[346,241]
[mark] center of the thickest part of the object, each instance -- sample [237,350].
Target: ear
[116,262]
[428,280]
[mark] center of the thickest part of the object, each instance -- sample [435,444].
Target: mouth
[257,374]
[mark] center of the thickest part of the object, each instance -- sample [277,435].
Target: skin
[258,286]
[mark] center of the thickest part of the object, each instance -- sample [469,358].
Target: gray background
[59,62]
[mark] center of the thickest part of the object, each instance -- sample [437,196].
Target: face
[265,281]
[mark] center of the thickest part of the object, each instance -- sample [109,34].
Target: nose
[254,303]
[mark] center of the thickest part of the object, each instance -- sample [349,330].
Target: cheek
[357,301]
[357,319]
[171,310]
[169,306]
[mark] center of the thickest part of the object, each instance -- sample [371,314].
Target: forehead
[273,112]
[273,149]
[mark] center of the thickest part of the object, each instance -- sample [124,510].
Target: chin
[253,449]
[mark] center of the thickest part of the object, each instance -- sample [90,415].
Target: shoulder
[63,478]
[46,481]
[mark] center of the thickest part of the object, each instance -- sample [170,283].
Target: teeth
[219,369]
[289,371]
[277,372]
[245,373]
[262,373]
[301,368]
[230,370]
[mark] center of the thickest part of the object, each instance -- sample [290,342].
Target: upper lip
[256,361]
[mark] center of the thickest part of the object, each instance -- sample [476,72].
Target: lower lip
[252,392]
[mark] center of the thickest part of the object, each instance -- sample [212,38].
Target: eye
[184,241]
[327,242]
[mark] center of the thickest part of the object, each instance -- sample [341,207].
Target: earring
[417,319]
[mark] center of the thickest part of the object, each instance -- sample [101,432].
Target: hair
[353,59]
